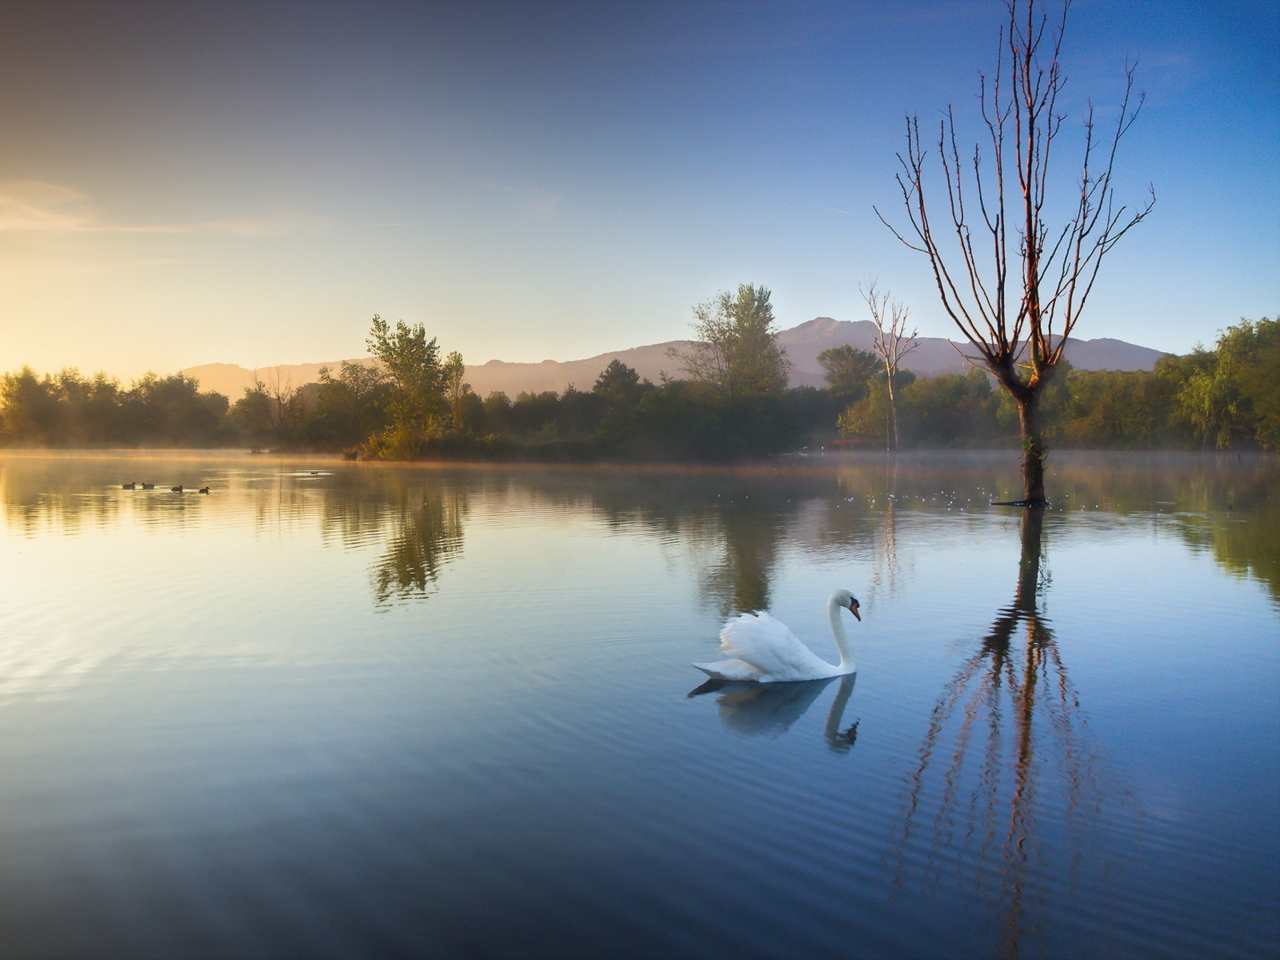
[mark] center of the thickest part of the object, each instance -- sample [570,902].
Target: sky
[250,183]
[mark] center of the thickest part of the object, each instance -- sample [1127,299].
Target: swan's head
[844,598]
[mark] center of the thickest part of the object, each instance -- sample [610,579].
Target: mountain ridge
[803,343]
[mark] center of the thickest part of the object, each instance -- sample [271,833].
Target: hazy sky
[249,183]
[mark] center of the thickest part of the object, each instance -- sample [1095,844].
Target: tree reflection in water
[886,571]
[426,532]
[739,582]
[771,708]
[1010,717]
[731,524]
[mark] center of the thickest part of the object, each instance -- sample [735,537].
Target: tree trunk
[1029,562]
[1033,451]
[891,441]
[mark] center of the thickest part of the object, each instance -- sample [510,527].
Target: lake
[349,710]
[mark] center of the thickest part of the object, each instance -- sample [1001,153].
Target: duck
[764,650]
[177,489]
[204,489]
[128,486]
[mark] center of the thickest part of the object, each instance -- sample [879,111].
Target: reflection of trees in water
[730,522]
[1009,719]
[351,515]
[886,568]
[739,581]
[426,533]
[1245,539]
[1224,504]
[66,495]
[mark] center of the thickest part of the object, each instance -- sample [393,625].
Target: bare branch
[1019,334]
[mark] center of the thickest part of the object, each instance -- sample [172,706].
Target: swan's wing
[769,646]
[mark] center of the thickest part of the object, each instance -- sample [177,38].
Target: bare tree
[1018,328]
[286,405]
[891,344]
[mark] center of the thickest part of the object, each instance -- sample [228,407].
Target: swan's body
[765,650]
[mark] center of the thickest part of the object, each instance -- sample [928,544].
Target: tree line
[1219,399]
[410,401]
[729,400]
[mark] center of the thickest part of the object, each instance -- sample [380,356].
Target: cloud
[35,206]
[244,228]
[29,268]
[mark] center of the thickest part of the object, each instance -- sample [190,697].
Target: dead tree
[996,206]
[891,344]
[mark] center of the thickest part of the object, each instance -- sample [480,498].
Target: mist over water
[345,710]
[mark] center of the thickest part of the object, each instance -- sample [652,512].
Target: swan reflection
[769,709]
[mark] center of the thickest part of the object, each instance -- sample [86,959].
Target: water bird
[204,489]
[148,486]
[177,489]
[765,650]
[128,486]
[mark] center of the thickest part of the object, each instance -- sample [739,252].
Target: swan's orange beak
[854,610]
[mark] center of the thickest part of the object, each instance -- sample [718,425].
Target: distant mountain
[803,343]
[232,381]
[935,355]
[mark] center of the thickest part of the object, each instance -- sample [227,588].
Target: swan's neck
[842,638]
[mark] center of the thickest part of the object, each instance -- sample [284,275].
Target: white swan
[765,650]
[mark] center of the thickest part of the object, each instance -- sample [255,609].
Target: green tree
[30,408]
[619,384]
[737,353]
[848,371]
[867,419]
[172,411]
[455,390]
[497,413]
[1231,397]
[870,419]
[580,412]
[1259,376]
[950,409]
[534,415]
[251,415]
[1118,409]
[417,405]
[273,413]
[90,408]
[350,407]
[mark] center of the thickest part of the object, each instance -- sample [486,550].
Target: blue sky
[249,183]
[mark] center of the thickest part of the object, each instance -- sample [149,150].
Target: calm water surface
[352,711]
